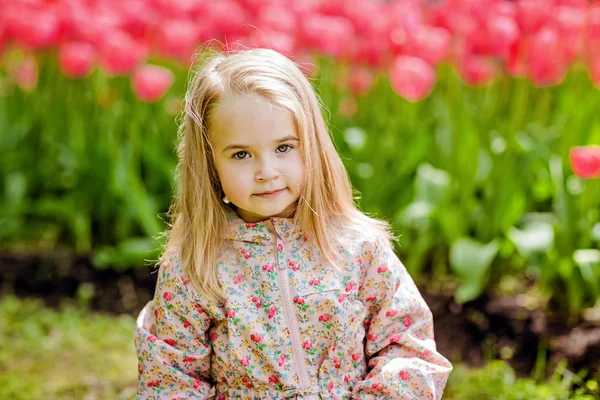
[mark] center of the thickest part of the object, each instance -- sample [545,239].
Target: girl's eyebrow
[242,146]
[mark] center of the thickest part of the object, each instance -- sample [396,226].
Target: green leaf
[417,214]
[15,188]
[484,166]
[431,184]
[130,252]
[588,261]
[470,261]
[535,237]
[452,223]
[596,231]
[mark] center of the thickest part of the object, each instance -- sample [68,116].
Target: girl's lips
[270,194]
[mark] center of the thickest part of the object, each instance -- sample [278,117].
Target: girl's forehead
[249,120]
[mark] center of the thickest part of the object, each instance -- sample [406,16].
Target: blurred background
[472,125]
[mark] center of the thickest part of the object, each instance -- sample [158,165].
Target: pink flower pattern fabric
[291,327]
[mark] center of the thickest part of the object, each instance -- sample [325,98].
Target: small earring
[225,200]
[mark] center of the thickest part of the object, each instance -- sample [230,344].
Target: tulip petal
[585,161]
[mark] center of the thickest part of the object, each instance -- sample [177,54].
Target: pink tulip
[279,41]
[177,39]
[329,35]
[228,16]
[429,43]
[477,70]
[570,19]
[348,107]
[367,17]
[77,59]
[585,161]
[254,6]
[594,21]
[151,82]
[175,8]
[331,7]
[461,24]
[515,64]
[101,22]
[120,54]
[138,19]
[25,75]
[594,70]
[408,15]
[37,29]
[3,37]
[571,23]
[504,9]
[361,80]
[574,3]
[10,20]
[82,26]
[533,14]
[277,17]
[545,60]
[412,78]
[502,33]
[592,37]
[373,49]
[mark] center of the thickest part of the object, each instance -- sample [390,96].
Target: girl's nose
[267,171]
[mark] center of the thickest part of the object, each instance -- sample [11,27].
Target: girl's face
[257,157]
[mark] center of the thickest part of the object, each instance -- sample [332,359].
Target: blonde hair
[198,214]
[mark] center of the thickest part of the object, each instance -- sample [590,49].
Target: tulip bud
[329,35]
[25,75]
[533,14]
[571,23]
[545,60]
[37,30]
[120,54]
[178,39]
[594,70]
[477,70]
[269,38]
[412,78]
[348,107]
[76,59]
[277,17]
[503,32]
[361,80]
[228,17]
[429,43]
[585,161]
[151,82]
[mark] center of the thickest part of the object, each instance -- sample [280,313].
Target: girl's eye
[240,155]
[284,148]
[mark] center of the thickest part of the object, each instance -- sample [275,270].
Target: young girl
[273,284]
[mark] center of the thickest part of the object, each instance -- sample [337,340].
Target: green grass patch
[497,381]
[69,353]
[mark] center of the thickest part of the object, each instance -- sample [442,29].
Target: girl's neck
[249,217]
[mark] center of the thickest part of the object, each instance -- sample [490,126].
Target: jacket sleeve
[400,350]
[171,340]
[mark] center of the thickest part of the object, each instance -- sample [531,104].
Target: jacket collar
[266,231]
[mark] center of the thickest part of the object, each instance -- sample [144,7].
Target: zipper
[290,317]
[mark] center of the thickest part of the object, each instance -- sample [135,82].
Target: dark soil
[489,327]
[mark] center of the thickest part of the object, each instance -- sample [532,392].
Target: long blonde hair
[198,216]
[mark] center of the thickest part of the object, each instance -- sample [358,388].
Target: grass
[68,353]
[71,353]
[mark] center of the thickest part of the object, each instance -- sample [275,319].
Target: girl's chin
[262,214]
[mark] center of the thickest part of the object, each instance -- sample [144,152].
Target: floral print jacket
[291,327]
